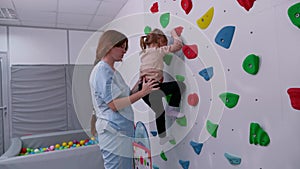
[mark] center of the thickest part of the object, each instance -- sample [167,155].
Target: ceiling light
[7,13]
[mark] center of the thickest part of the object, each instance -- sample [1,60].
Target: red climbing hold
[247,4]
[178,30]
[154,7]
[193,99]
[294,94]
[187,5]
[190,51]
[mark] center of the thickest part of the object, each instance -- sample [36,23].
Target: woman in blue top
[112,101]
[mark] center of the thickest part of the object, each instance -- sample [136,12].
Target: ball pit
[52,150]
[58,146]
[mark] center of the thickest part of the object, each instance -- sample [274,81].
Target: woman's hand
[149,86]
[120,103]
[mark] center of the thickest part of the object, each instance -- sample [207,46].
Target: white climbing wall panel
[264,30]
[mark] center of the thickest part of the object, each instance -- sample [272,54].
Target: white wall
[266,31]
[131,7]
[37,46]
[78,43]
[45,46]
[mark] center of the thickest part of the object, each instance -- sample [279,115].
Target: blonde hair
[108,40]
[154,37]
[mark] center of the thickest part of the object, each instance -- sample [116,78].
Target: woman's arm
[120,103]
[135,87]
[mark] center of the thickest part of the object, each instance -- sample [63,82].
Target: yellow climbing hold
[206,19]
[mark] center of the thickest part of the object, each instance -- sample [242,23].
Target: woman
[112,101]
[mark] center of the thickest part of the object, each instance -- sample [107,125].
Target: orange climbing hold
[187,6]
[154,7]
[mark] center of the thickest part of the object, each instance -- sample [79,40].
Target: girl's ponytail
[142,42]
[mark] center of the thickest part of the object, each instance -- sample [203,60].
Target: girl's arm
[177,44]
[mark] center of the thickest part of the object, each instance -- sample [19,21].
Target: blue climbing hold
[224,36]
[155,167]
[154,133]
[234,160]
[196,146]
[207,73]
[184,164]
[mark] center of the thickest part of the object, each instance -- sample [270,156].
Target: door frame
[6,100]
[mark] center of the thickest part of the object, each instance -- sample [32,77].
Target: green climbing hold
[168,58]
[294,14]
[181,121]
[173,141]
[229,99]
[254,127]
[147,30]
[180,78]
[212,128]
[263,137]
[251,64]
[165,19]
[258,135]
[168,97]
[163,156]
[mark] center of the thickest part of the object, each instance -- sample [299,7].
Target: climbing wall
[242,102]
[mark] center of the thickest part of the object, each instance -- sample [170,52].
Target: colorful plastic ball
[57,145]
[23,150]
[70,143]
[64,144]
[51,148]
[91,142]
[36,150]
[81,142]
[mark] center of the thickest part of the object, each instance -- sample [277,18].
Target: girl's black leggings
[154,100]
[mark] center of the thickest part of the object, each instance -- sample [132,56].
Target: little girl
[154,48]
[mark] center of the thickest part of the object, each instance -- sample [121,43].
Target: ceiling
[66,14]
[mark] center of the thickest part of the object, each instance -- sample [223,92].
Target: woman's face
[117,53]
